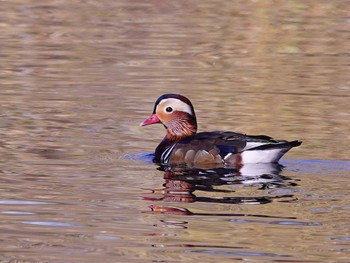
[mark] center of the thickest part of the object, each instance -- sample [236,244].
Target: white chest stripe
[166,154]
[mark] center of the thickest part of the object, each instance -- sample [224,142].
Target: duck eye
[169,109]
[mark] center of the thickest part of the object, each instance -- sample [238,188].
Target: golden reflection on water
[76,79]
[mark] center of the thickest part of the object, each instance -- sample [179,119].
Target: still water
[76,79]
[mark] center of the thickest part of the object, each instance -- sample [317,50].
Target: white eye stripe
[176,104]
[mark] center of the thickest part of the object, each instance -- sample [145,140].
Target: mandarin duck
[183,145]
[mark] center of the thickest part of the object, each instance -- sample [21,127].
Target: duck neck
[181,129]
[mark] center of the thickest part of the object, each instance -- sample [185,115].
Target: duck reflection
[181,184]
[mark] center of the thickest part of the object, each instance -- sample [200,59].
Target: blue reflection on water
[50,223]
[316,166]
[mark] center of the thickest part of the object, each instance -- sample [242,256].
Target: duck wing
[207,147]
[227,147]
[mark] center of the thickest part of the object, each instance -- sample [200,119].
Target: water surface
[76,79]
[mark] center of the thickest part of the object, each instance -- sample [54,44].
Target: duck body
[183,145]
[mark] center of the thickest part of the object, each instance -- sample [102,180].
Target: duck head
[177,115]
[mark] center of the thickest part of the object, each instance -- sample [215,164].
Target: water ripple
[24,202]
[238,253]
[50,223]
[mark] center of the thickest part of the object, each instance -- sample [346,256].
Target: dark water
[76,79]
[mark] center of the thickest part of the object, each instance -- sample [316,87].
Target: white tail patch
[263,156]
[251,145]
